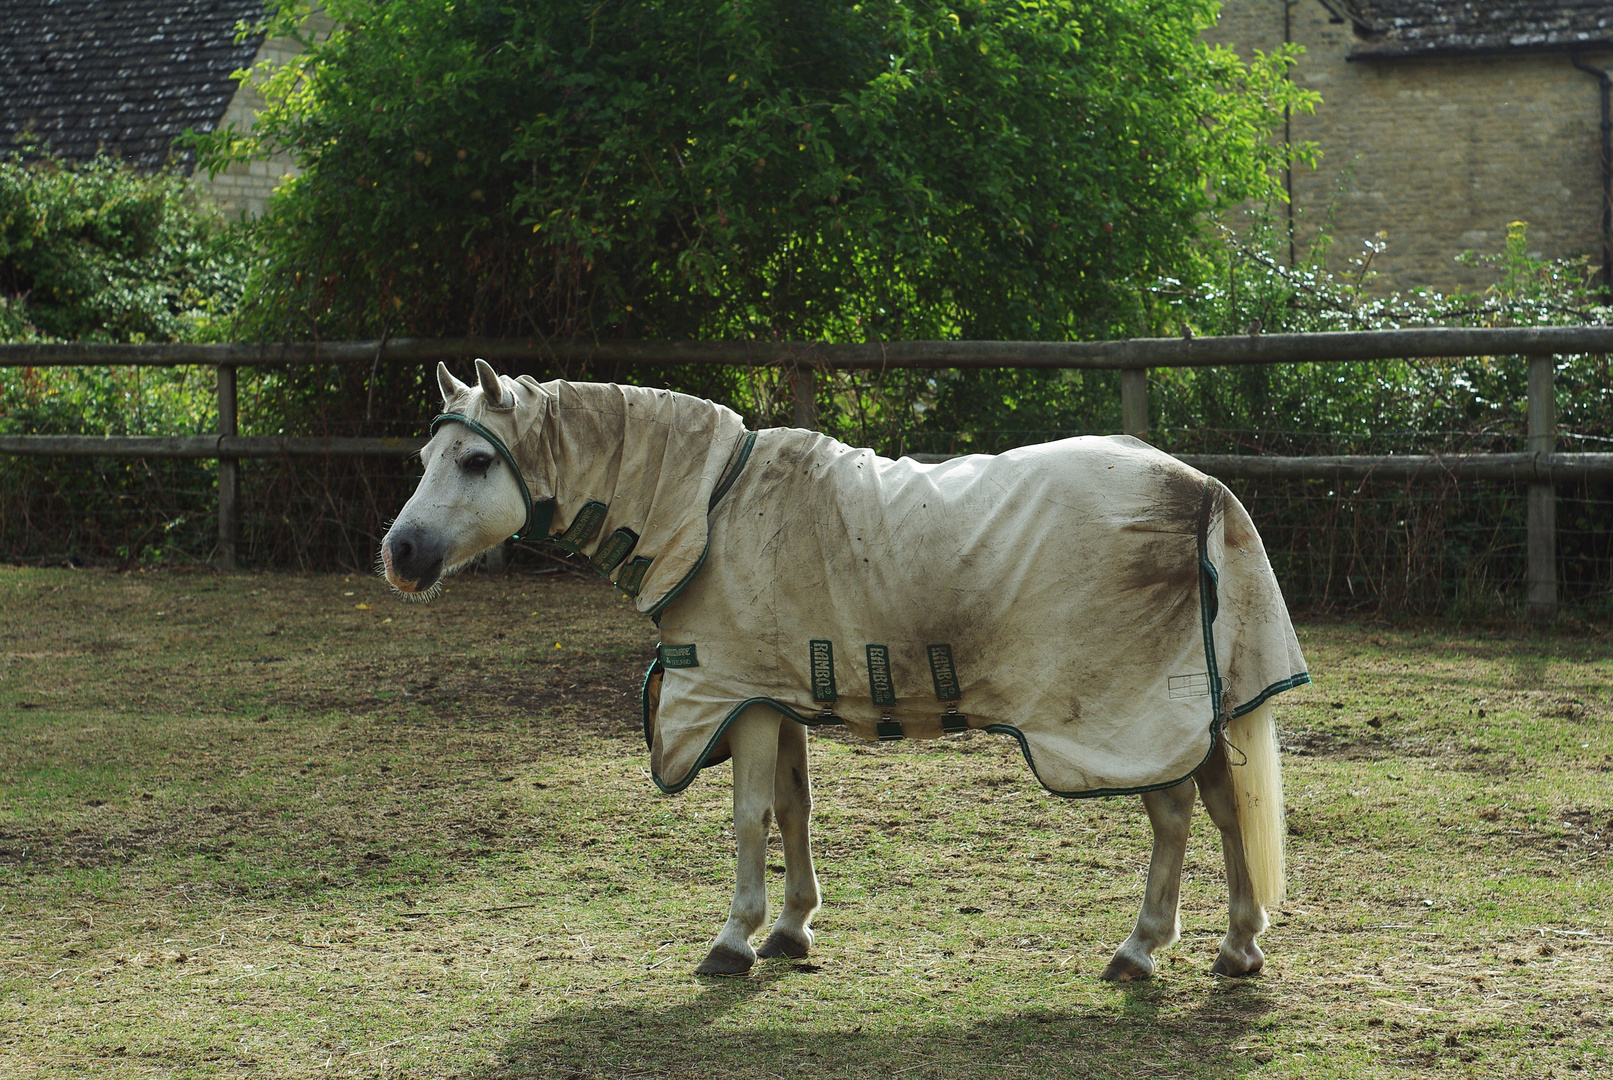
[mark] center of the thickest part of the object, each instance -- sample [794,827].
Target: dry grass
[249,827]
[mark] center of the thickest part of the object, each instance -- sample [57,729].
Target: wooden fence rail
[204,446]
[1541,467]
[1131,354]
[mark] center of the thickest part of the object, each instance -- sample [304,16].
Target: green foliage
[128,509]
[706,169]
[1469,403]
[107,401]
[1474,403]
[98,252]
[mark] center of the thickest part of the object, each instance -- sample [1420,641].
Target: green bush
[98,252]
[702,169]
[1472,403]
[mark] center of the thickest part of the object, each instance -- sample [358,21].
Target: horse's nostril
[402,549]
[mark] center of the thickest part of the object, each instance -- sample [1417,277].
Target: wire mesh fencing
[1429,544]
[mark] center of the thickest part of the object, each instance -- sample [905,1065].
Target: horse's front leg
[754,741]
[792,801]
[1170,812]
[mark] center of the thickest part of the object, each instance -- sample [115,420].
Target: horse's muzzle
[413,560]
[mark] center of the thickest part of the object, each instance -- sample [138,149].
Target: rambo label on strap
[614,550]
[823,670]
[883,690]
[880,685]
[944,674]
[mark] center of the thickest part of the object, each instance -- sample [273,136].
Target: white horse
[1110,608]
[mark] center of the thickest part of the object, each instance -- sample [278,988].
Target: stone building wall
[1437,154]
[244,189]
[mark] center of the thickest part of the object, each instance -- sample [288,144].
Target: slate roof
[1389,29]
[126,75]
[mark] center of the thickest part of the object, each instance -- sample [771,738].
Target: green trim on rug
[722,729]
[732,473]
[672,594]
[727,481]
[542,520]
[651,672]
[1270,692]
[1209,607]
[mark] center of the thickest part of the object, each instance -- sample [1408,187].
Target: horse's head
[471,496]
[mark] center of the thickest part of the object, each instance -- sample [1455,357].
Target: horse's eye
[477,463]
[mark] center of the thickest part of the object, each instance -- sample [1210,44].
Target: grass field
[274,826]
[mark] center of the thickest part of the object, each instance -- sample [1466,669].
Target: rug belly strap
[823,670]
[944,674]
[880,685]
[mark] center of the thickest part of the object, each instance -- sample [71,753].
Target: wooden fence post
[1134,401]
[804,383]
[228,509]
[1541,577]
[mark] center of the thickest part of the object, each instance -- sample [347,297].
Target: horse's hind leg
[754,740]
[792,802]
[1239,953]
[1169,811]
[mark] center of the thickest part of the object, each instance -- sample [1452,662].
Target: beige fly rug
[1103,603]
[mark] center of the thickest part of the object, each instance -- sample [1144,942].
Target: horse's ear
[449,385]
[492,389]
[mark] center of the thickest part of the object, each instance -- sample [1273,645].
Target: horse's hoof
[1125,969]
[722,960]
[1235,966]
[779,943]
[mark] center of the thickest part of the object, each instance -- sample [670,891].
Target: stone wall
[244,189]
[1436,155]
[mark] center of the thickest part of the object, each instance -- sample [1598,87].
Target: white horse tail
[1257,784]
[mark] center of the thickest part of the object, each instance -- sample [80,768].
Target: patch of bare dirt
[76,848]
[1374,745]
[1590,828]
[1582,832]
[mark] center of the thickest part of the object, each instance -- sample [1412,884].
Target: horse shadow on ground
[1154,1029]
